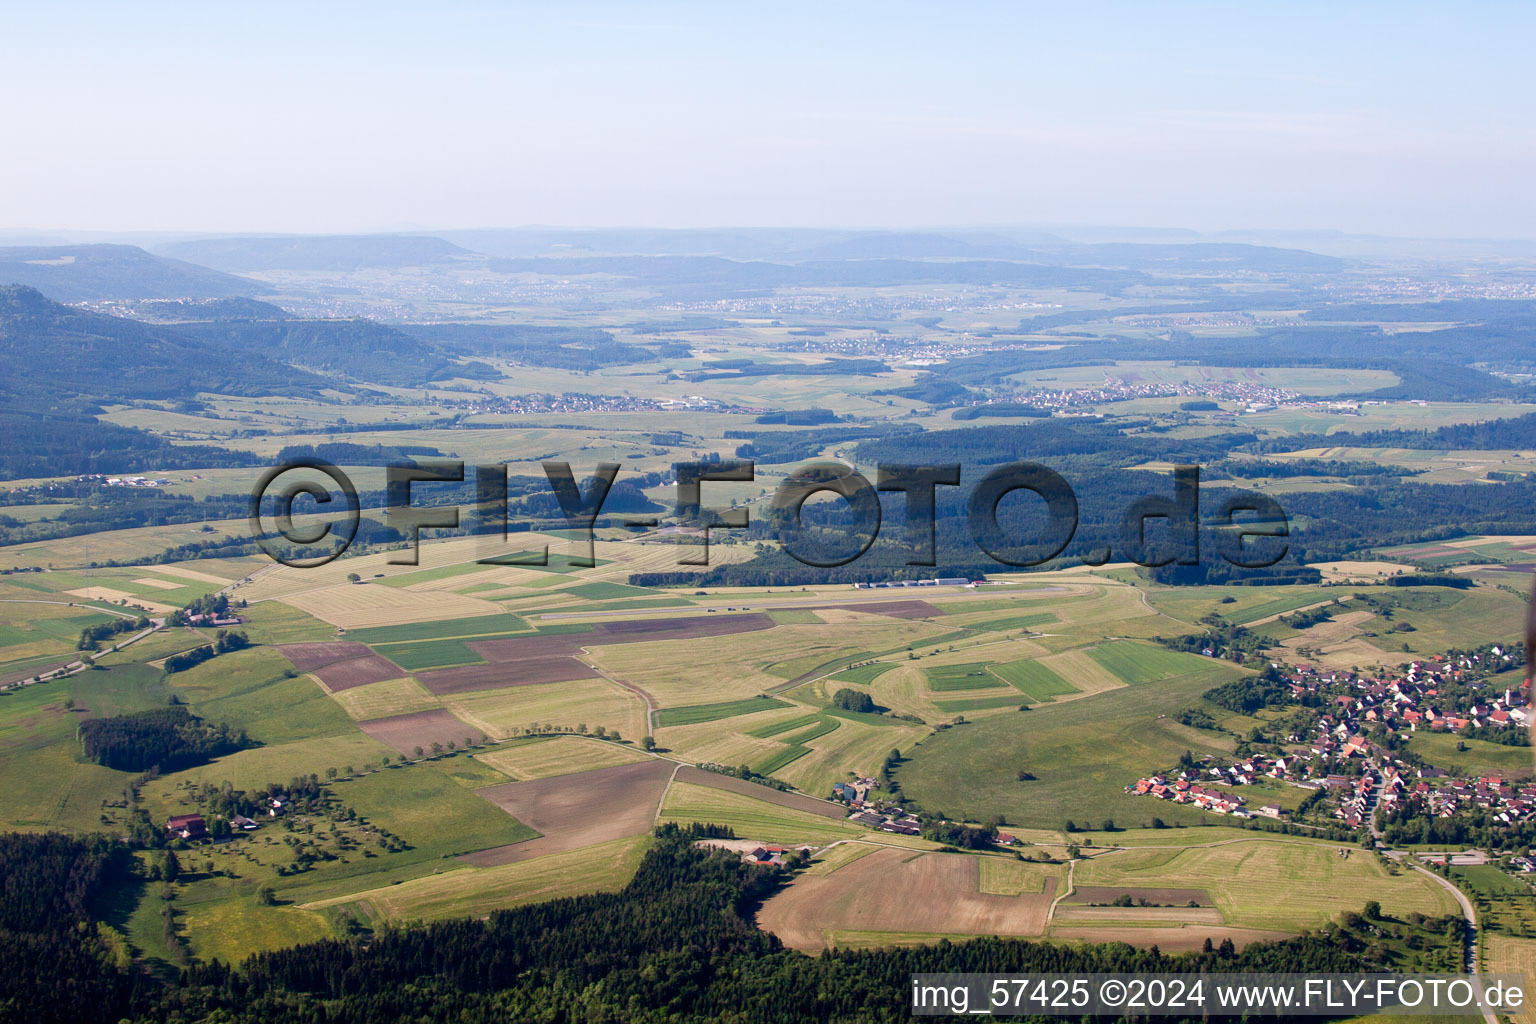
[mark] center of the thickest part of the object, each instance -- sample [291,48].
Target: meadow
[1281,884]
[1082,753]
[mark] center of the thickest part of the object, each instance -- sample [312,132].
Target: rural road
[650,705]
[1470,914]
[70,668]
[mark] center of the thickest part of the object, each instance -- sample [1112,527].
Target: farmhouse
[186,826]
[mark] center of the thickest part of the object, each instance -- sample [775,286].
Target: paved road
[1470,914]
[72,667]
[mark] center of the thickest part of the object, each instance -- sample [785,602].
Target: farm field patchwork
[900,891]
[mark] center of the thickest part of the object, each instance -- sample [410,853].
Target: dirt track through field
[895,890]
[572,811]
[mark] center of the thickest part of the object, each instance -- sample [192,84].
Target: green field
[950,707]
[711,712]
[1034,680]
[970,676]
[1083,753]
[1480,758]
[609,591]
[1244,877]
[775,728]
[863,674]
[430,654]
[1136,662]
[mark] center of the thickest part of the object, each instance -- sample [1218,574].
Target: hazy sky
[1397,118]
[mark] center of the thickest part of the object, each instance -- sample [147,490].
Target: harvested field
[366,605]
[154,584]
[559,755]
[343,675]
[119,597]
[591,702]
[895,609]
[191,574]
[765,822]
[685,628]
[1163,897]
[407,732]
[794,801]
[895,890]
[385,700]
[1008,877]
[503,673]
[573,811]
[308,657]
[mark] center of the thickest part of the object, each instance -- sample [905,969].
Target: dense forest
[56,965]
[677,944]
[169,739]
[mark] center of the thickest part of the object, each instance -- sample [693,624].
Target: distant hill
[175,310]
[923,246]
[362,350]
[338,253]
[91,273]
[683,276]
[52,355]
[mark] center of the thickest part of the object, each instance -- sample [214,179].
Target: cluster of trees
[1222,638]
[169,739]
[1412,822]
[92,636]
[1307,618]
[965,837]
[225,641]
[1245,696]
[850,699]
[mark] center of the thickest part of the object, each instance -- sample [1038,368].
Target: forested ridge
[677,944]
